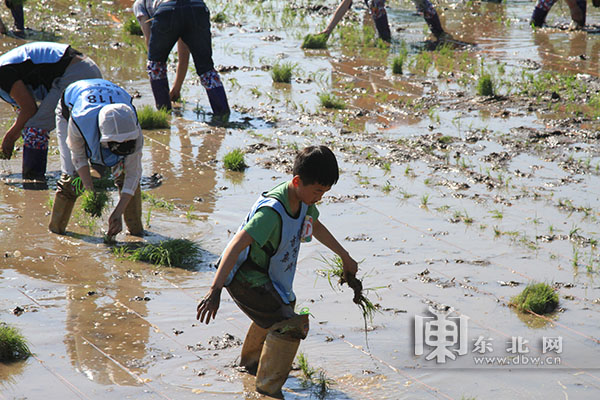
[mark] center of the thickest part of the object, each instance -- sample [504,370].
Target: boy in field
[258,266]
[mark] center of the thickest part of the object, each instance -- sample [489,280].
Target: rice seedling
[322,384]
[329,100]
[93,202]
[234,160]
[334,269]
[150,118]
[307,371]
[318,41]
[13,345]
[157,201]
[132,26]
[539,298]
[168,253]
[397,64]
[219,17]
[282,72]
[424,201]
[485,86]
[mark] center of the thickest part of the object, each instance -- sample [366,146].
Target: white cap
[118,123]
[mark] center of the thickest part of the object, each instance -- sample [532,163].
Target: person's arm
[183,62]
[209,305]
[28,106]
[324,236]
[337,16]
[115,221]
[145,25]
[132,168]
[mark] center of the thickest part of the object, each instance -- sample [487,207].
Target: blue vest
[84,99]
[282,265]
[37,53]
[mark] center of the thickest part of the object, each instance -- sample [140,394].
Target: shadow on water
[236,120]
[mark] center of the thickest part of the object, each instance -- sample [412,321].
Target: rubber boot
[252,348]
[577,9]
[61,213]
[17,13]
[383,27]
[538,18]
[435,25]
[160,90]
[218,101]
[34,163]
[133,214]
[275,364]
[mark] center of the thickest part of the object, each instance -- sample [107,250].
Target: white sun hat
[118,123]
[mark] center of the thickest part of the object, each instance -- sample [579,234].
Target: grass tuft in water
[485,86]
[234,160]
[539,298]
[168,253]
[219,17]
[316,379]
[318,41]
[94,203]
[13,346]
[282,72]
[132,26]
[150,118]
[329,100]
[157,201]
[397,64]
[307,371]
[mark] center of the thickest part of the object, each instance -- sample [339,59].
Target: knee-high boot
[252,348]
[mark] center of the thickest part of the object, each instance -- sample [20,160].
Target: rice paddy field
[468,172]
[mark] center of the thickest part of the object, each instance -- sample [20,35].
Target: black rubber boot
[34,163]
[160,90]
[218,101]
[538,18]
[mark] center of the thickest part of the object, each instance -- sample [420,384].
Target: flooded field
[453,201]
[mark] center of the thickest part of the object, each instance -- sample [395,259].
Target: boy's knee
[295,328]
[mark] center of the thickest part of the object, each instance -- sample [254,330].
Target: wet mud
[453,201]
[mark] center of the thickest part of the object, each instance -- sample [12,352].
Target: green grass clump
[168,253]
[13,345]
[94,203]
[539,298]
[282,72]
[157,201]
[329,100]
[318,41]
[397,64]
[485,86]
[132,26]
[150,118]
[307,371]
[234,160]
[219,17]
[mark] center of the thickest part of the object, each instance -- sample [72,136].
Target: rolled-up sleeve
[133,169]
[139,9]
[76,144]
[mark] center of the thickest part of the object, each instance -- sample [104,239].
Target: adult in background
[187,22]
[32,73]
[97,123]
[16,9]
[577,9]
[379,14]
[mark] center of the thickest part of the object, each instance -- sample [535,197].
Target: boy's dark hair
[316,164]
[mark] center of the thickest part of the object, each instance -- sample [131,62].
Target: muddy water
[464,222]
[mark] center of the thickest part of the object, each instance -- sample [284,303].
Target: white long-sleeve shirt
[132,166]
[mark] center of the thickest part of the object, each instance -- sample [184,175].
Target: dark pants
[185,19]
[262,304]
